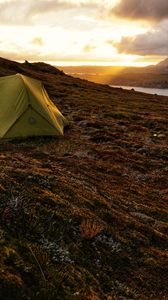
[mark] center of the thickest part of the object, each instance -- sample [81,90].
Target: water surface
[162,92]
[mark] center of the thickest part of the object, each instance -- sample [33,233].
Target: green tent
[26,109]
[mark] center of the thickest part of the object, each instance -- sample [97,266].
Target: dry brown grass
[89,229]
[110,168]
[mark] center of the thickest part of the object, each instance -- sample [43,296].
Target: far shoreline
[147,90]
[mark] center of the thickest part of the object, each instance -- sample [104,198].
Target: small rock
[83,123]
[142,216]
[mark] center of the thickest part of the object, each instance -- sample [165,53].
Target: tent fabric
[26,109]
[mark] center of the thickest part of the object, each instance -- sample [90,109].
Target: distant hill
[151,76]
[84,217]
[163,64]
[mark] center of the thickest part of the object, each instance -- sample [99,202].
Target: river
[162,92]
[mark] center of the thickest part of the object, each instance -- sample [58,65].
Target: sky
[85,32]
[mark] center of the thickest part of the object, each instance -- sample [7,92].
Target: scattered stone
[106,239]
[59,253]
[142,216]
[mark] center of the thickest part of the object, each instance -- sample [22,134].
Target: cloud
[17,56]
[22,12]
[155,10]
[88,48]
[37,41]
[151,43]
[154,41]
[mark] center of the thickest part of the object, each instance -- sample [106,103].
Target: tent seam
[15,122]
[30,105]
[21,76]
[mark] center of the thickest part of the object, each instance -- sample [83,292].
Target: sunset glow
[71,32]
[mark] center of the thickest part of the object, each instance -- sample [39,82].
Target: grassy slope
[85,216]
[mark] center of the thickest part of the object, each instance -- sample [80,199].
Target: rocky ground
[85,216]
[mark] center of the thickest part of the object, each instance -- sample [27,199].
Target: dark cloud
[150,43]
[142,9]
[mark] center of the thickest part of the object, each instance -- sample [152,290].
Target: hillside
[85,216]
[151,76]
[163,64]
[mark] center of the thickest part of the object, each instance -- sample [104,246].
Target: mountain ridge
[163,63]
[7,66]
[150,76]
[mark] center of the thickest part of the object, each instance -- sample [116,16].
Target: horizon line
[91,64]
[72,63]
